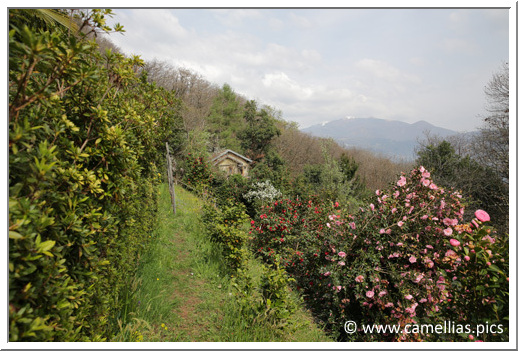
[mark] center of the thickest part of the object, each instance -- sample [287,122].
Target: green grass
[182,290]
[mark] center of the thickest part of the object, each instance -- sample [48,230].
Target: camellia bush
[408,258]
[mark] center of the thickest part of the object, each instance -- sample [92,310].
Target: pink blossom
[353,225]
[412,259]
[340,263]
[382,231]
[341,254]
[423,300]
[378,192]
[400,223]
[433,186]
[339,287]
[382,293]
[450,222]
[401,181]
[359,279]
[424,217]
[370,294]
[393,210]
[482,215]
[372,207]
[328,225]
[454,242]
[449,253]
[419,278]
[409,297]
[448,231]
[467,258]
[488,238]
[327,274]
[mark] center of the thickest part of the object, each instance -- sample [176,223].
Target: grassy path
[181,292]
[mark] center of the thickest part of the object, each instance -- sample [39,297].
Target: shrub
[224,227]
[197,173]
[395,262]
[83,154]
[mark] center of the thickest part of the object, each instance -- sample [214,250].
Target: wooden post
[170,178]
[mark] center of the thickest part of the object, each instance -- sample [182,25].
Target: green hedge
[86,140]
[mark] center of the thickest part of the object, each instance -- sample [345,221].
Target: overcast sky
[318,65]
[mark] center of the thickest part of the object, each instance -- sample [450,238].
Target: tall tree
[480,184]
[261,129]
[492,145]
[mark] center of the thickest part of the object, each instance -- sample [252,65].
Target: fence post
[170,178]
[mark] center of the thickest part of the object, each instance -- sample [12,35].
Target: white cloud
[384,71]
[280,87]
[235,17]
[457,45]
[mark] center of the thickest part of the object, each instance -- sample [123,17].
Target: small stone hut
[231,162]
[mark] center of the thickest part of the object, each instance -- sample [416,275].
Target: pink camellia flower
[450,253]
[369,294]
[340,263]
[426,182]
[341,254]
[454,242]
[448,231]
[372,207]
[409,297]
[400,223]
[482,215]
[359,279]
[467,258]
[401,181]
[433,186]
[471,337]
[327,274]
[412,259]
[382,293]
[353,225]
[338,288]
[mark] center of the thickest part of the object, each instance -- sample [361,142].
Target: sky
[319,65]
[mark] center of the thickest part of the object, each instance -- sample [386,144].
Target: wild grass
[182,290]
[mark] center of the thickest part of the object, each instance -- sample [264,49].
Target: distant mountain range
[393,139]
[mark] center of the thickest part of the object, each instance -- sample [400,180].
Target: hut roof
[222,155]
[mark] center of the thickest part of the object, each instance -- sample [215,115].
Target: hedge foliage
[86,138]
